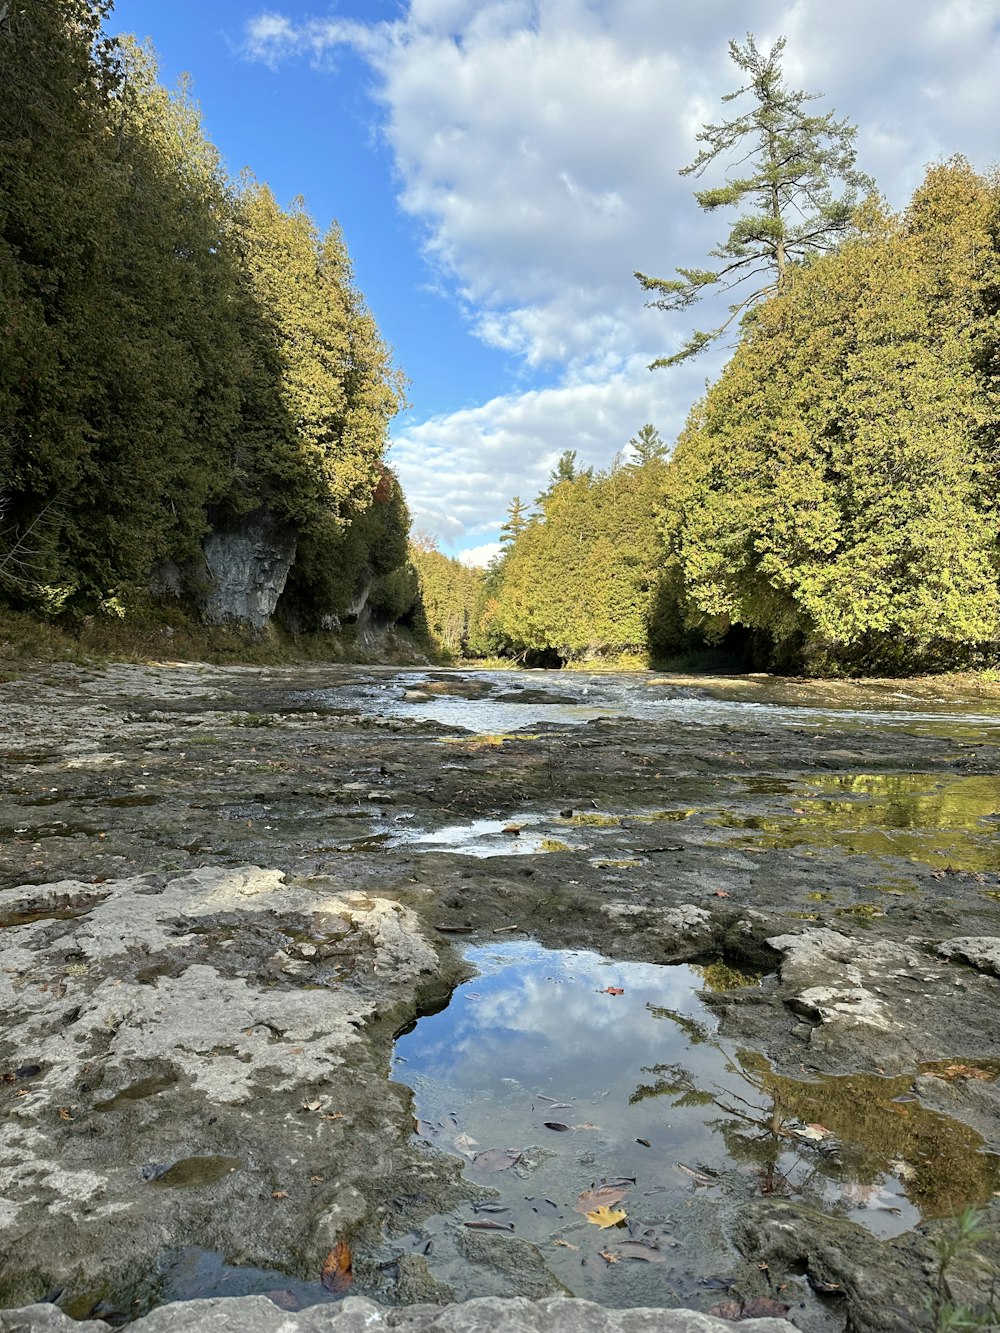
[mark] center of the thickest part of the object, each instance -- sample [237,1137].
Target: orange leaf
[613,990]
[337,1275]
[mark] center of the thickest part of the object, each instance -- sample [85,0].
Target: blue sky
[500,167]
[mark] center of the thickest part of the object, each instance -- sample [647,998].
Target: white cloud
[538,142]
[478,557]
[460,471]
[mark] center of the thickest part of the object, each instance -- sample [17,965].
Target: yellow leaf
[606,1217]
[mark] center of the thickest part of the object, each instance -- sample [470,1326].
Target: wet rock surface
[256,1315]
[223,891]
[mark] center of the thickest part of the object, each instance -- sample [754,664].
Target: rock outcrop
[248,567]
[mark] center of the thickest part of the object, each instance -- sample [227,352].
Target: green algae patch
[720,976]
[930,818]
[852,1134]
[593,820]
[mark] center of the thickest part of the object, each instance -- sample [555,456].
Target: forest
[183,355]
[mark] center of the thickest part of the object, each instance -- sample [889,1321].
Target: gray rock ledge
[256,1314]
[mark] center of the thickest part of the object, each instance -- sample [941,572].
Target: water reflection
[556,1072]
[923,817]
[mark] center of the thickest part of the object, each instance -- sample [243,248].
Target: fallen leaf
[279,1194]
[557,1124]
[486,1225]
[812,1133]
[953,1071]
[721,893]
[586,1125]
[565,1245]
[497,1159]
[613,990]
[599,1196]
[634,1249]
[311,1106]
[285,1299]
[728,1310]
[764,1307]
[606,1217]
[609,1255]
[335,1115]
[699,1177]
[464,1141]
[296,1050]
[64,1113]
[336,1274]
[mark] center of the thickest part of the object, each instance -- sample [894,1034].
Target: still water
[570,1083]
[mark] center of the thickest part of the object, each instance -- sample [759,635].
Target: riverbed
[296,957]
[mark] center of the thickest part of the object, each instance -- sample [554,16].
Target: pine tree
[647,447]
[794,159]
[517,521]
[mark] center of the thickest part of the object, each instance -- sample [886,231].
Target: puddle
[925,817]
[135,1092]
[557,1073]
[191,1172]
[58,907]
[483,838]
[194,1275]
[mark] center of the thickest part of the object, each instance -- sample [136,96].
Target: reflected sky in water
[642,1089]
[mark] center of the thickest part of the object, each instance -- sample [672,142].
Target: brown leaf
[721,893]
[727,1310]
[337,1274]
[564,1244]
[609,1255]
[958,1070]
[764,1307]
[285,1299]
[600,1196]
[613,990]
[279,1194]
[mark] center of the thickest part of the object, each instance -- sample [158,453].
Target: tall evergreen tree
[791,161]
[647,447]
[517,520]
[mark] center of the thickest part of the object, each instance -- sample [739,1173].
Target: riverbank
[225,890]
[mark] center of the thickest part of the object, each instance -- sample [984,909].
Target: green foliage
[447,598]
[790,159]
[836,490]
[581,577]
[177,351]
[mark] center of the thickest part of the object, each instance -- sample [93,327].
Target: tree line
[178,349]
[832,502]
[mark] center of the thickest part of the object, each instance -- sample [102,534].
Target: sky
[501,167]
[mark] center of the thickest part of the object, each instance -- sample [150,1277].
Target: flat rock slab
[256,1314]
